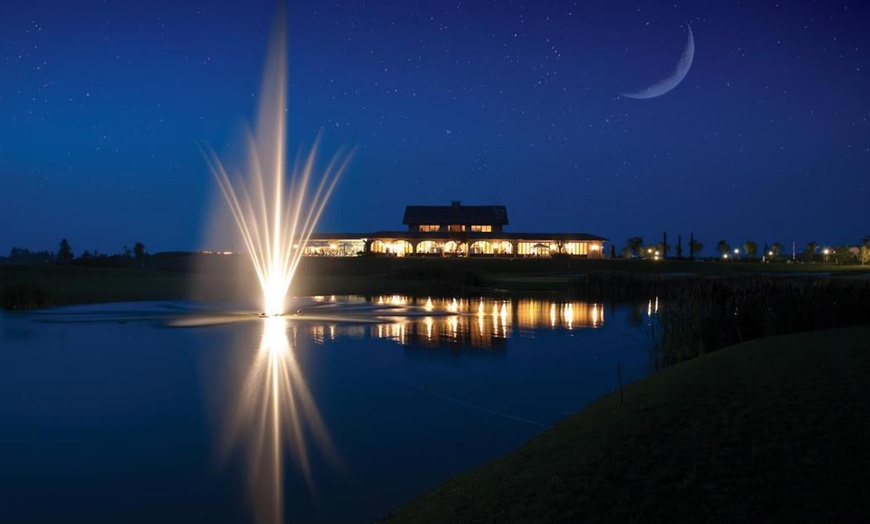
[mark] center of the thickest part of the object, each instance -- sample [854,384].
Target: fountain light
[274,209]
[275,411]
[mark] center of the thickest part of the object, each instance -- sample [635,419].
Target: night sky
[105,105]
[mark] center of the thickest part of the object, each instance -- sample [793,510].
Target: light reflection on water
[480,322]
[275,412]
[326,422]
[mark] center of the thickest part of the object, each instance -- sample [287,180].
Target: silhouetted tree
[139,251]
[64,252]
[723,247]
[751,248]
[695,247]
[844,255]
[634,245]
[810,251]
[680,246]
[776,248]
[22,255]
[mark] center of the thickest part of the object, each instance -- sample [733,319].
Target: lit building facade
[456,231]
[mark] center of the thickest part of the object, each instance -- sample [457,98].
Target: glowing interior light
[429,306]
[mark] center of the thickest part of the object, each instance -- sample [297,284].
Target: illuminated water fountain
[275,211]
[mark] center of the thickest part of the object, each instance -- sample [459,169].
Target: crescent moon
[673,80]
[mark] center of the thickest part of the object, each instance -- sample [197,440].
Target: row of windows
[456,227]
[482,247]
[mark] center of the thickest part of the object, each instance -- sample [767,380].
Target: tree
[751,248]
[64,252]
[22,255]
[139,251]
[864,250]
[810,251]
[723,247]
[634,245]
[843,255]
[695,247]
[776,249]
[680,246]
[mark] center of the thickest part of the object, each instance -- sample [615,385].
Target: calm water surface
[169,412]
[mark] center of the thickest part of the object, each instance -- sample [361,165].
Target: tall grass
[702,315]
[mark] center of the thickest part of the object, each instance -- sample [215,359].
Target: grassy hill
[772,430]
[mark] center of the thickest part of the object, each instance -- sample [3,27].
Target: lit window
[456,227]
[483,229]
[429,227]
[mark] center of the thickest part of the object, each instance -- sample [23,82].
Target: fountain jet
[275,214]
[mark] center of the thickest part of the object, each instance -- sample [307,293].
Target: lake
[340,412]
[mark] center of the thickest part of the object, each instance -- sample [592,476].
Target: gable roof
[455,214]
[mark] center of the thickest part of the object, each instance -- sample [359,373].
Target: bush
[23,296]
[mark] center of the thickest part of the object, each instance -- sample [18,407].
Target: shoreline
[769,430]
[222,278]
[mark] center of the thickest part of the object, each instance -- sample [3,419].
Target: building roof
[464,236]
[455,213]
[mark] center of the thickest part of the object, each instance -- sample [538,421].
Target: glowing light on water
[275,412]
[275,213]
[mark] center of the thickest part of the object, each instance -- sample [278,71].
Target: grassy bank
[773,430]
[175,276]
[27,287]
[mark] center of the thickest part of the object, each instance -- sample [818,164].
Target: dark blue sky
[104,105]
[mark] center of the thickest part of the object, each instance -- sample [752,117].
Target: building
[456,231]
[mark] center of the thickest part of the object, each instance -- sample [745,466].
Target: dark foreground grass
[772,430]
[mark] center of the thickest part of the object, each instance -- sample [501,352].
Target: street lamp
[826,252]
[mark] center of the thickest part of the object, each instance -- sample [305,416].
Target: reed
[702,315]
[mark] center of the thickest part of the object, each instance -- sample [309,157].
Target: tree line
[137,256]
[635,247]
